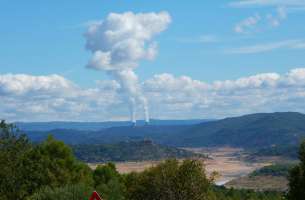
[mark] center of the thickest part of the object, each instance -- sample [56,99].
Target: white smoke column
[119,42]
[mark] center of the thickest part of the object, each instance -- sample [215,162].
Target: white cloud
[184,97]
[278,18]
[258,22]
[266,47]
[271,19]
[170,97]
[21,84]
[30,98]
[248,24]
[121,40]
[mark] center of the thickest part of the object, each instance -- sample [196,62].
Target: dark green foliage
[109,182]
[68,192]
[273,170]
[26,168]
[297,178]
[170,181]
[13,156]
[129,151]
[222,193]
[58,164]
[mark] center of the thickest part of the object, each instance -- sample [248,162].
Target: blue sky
[205,41]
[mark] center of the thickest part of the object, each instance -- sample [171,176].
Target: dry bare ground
[228,162]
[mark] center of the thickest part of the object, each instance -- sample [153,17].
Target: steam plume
[118,43]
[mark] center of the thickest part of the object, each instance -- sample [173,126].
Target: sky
[103,60]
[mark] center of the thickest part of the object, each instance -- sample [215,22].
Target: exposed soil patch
[228,162]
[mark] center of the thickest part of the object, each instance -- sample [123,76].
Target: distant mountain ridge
[95,126]
[260,130]
[159,134]
[255,130]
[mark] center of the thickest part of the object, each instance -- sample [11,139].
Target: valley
[228,162]
[233,147]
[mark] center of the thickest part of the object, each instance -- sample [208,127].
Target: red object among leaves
[95,196]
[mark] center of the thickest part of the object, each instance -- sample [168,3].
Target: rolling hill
[249,131]
[262,130]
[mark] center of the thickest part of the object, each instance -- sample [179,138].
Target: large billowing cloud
[119,42]
[43,98]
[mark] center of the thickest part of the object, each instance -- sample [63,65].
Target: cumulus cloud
[119,42]
[21,84]
[53,97]
[259,93]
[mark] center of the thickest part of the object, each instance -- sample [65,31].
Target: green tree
[170,181]
[25,168]
[14,148]
[56,162]
[297,178]
[109,182]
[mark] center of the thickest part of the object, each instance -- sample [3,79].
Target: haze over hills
[95,126]
[250,131]
[159,134]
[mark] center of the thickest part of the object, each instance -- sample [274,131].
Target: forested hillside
[250,131]
[129,151]
[274,130]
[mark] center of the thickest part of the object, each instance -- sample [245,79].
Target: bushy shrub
[69,192]
[170,180]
